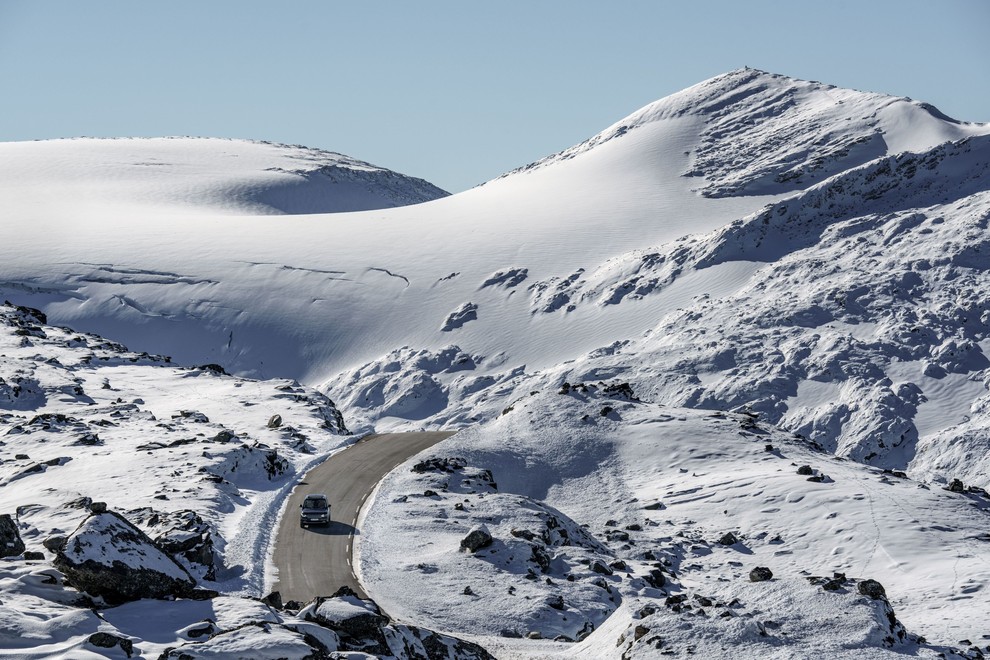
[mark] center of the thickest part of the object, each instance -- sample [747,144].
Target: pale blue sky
[456,92]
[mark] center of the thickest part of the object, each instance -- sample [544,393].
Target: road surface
[316,561]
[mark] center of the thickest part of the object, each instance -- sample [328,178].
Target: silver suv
[315,510]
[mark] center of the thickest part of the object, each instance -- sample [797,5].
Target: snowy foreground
[720,377]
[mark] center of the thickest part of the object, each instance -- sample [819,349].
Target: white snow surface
[762,260]
[206,176]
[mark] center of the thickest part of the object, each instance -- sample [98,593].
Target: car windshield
[314,503]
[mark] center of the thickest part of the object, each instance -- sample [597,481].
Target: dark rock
[98,507]
[511,634]
[440,465]
[956,486]
[467,591]
[30,555]
[358,622]
[275,421]
[205,629]
[11,544]
[523,534]
[620,391]
[183,534]
[872,589]
[598,566]
[805,470]
[224,436]
[655,578]
[640,631]
[88,440]
[656,506]
[760,574]
[477,538]
[429,493]
[273,600]
[606,410]
[108,557]
[556,602]
[540,557]
[54,543]
[105,640]
[215,369]
[728,539]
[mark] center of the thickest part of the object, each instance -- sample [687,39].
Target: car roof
[316,495]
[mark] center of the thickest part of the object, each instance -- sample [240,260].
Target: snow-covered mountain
[644,337]
[88,178]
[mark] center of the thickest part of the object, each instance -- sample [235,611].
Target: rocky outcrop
[108,557]
[11,544]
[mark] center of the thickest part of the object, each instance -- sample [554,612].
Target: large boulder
[479,537]
[109,557]
[11,544]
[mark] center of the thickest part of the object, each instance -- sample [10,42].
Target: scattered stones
[760,574]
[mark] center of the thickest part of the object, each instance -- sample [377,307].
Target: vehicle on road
[314,510]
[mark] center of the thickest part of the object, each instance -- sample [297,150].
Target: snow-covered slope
[89,178]
[762,260]
[341,292]
[602,507]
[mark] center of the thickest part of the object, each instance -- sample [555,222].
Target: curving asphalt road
[316,561]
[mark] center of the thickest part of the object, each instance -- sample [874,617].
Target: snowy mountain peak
[189,174]
[760,133]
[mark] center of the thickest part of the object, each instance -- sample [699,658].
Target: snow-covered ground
[764,261]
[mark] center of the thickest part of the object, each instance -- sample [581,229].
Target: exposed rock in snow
[457,318]
[11,544]
[110,558]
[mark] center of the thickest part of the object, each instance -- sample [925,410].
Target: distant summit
[763,133]
[184,173]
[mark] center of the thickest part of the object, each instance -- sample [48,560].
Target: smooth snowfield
[205,176]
